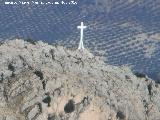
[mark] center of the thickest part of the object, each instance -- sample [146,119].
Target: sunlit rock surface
[44,82]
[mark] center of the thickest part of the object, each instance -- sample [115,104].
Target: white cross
[81,38]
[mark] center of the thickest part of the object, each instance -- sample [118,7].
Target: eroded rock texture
[44,82]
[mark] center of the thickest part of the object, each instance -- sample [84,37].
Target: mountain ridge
[40,81]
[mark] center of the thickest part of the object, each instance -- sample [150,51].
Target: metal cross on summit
[82,27]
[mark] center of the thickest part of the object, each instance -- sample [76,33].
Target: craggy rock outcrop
[44,82]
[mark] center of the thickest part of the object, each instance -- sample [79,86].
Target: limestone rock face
[44,82]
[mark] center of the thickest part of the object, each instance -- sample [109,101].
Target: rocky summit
[49,82]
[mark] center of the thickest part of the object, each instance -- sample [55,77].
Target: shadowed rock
[69,107]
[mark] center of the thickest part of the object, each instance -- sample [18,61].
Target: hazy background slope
[123,31]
